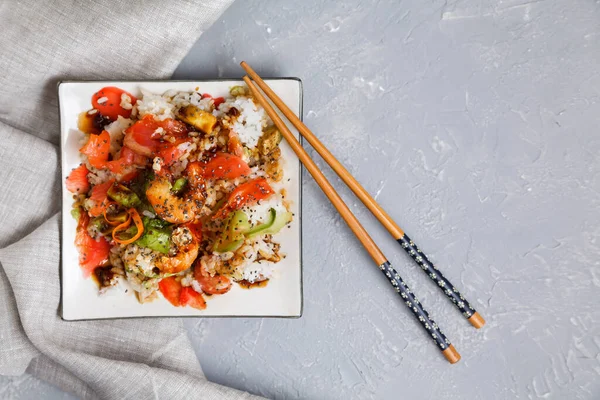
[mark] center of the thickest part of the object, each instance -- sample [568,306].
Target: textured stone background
[475,124]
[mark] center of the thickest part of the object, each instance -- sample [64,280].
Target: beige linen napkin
[41,43]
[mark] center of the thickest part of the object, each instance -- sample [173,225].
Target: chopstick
[402,238]
[384,265]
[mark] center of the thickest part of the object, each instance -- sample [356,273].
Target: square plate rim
[301,140]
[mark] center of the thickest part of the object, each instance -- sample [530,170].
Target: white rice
[209,262]
[157,163]
[148,214]
[97,176]
[139,259]
[251,121]
[259,213]
[256,172]
[211,196]
[196,286]
[155,104]
[186,148]
[126,102]
[248,125]
[145,288]
[258,271]
[253,270]
[188,279]
[178,167]
[182,99]
[164,106]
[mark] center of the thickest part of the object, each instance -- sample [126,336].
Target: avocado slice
[238,228]
[277,220]
[123,195]
[258,229]
[233,235]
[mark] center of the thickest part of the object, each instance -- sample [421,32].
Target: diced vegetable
[234,145]
[171,289]
[123,196]
[269,140]
[189,297]
[99,198]
[76,213]
[92,253]
[225,166]
[112,101]
[199,119]
[170,154]
[157,235]
[77,181]
[179,185]
[129,176]
[144,137]
[237,91]
[97,149]
[98,226]
[157,223]
[126,159]
[139,137]
[216,100]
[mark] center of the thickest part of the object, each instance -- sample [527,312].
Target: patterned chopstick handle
[449,289]
[415,306]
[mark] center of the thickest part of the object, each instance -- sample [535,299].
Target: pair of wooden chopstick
[407,244]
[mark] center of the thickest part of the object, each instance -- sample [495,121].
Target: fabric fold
[135,358]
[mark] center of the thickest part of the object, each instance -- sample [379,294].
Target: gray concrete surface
[475,123]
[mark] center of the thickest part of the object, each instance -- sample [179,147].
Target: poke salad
[178,193]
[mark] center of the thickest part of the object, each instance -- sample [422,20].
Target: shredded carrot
[121,227]
[137,220]
[108,221]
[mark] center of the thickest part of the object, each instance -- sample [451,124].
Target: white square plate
[282,297]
